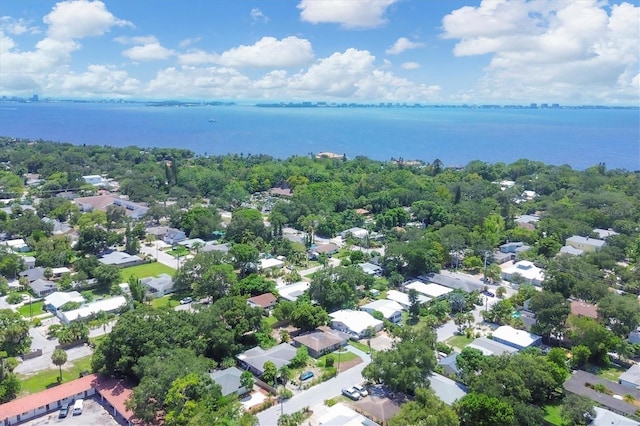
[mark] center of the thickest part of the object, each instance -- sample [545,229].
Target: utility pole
[485,265]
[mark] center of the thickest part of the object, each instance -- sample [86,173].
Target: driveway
[319,393]
[155,251]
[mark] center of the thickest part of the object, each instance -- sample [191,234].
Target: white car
[186,301]
[361,390]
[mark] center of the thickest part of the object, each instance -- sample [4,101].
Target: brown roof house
[264,301]
[322,341]
[584,309]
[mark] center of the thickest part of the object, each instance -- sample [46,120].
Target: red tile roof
[114,391]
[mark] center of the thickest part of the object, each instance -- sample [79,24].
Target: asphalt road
[317,394]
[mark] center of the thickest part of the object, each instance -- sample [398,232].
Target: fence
[31,355]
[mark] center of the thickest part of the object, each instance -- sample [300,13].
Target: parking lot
[92,414]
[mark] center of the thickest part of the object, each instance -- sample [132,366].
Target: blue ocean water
[578,137]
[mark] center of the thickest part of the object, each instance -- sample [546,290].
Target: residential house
[527,270]
[584,309]
[41,287]
[254,359]
[328,249]
[491,347]
[229,381]
[59,228]
[291,292]
[18,245]
[265,301]
[371,269]
[341,414]
[56,300]
[519,339]
[95,180]
[29,262]
[446,389]
[455,281]
[101,202]
[431,290]
[33,274]
[587,244]
[174,236]
[390,310]
[158,286]
[607,417]
[403,298]
[356,323]
[449,364]
[271,263]
[570,251]
[357,233]
[321,341]
[192,243]
[120,259]
[224,248]
[603,234]
[631,377]
[111,304]
[281,191]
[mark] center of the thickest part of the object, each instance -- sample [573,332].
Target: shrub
[14,298]
[444,348]
[36,322]
[330,402]
[329,361]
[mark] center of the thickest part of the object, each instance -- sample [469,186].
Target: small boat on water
[213,120]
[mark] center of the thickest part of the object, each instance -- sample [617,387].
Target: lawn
[170,301]
[459,341]
[344,357]
[363,347]
[611,373]
[49,378]
[179,251]
[35,308]
[553,414]
[147,270]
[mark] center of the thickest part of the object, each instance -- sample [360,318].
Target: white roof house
[519,339]
[293,291]
[354,322]
[271,263]
[403,298]
[603,234]
[120,258]
[432,290]
[16,245]
[105,305]
[631,377]
[158,286]
[340,414]
[59,298]
[526,269]
[571,251]
[359,233]
[390,309]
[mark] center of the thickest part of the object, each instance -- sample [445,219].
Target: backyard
[49,378]
[146,270]
[31,309]
[460,341]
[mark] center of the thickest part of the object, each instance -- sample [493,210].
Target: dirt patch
[345,365]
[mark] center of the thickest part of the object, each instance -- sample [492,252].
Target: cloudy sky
[429,51]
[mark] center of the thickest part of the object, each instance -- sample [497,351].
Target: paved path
[319,393]
[160,256]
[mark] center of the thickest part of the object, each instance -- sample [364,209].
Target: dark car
[489,293]
[64,410]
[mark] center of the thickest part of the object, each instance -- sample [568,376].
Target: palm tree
[59,357]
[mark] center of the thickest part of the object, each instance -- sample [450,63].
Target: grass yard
[49,378]
[168,301]
[35,308]
[179,251]
[147,270]
[362,346]
[553,414]
[459,342]
[344,357]
[611,373]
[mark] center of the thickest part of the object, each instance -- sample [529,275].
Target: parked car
[78,406]
[351,393]
[306,375]
[186,301]
[488,293]
[361,390]
[64,411]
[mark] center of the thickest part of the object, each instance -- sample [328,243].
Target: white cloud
[257,16]
[80,18]
[197,57]
[188,42]
[401,45]
[350,14]
[351,74]
[17,26]
[269,52]
[148,52]
[96,81]
[572,51]
[410,65]
[136,40]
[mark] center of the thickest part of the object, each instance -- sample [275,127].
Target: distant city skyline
[570,52]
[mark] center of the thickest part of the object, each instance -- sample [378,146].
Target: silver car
[361,390]
[351,393]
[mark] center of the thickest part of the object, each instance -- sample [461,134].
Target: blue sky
[428,51]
